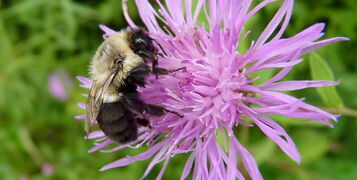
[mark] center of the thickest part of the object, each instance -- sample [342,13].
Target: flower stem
[298,170]
[343,111]
[30,147]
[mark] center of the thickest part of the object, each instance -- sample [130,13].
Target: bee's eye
[118,61]
[140,42]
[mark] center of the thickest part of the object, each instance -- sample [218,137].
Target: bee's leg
[174,112]
[150,56]
[158,70]
[158,110]
[132,102]
[154,69]
[147,55]
[143,122]
[162,49]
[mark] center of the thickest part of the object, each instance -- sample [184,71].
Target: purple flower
[59,84]
[47,169]
[216,91]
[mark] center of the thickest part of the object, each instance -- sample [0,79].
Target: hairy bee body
[118,68]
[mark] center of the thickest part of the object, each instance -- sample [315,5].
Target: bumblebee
[117,69]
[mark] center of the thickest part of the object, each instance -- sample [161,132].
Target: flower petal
[84,80]
[284,11]
[100,146]
[188,166]
[108,32]
[275,132]
[322,43]
[296,85]
[249,162]
[140,157]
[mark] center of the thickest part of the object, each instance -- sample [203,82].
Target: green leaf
[321,71]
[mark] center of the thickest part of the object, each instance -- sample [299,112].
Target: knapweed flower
[59,84]
[47,169]
[216,91]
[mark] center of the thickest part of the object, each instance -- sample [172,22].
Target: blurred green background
[52,41]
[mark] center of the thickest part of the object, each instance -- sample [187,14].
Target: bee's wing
[93,104]
[95,98]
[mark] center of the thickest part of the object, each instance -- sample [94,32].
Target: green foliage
[321,71]
[312,143]
[38,37]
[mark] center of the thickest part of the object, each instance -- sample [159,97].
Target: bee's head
[115,52]
[141,42]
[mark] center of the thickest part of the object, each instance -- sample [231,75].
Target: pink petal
[126,14]
[80,117]
[95,134]
[285,10]
[275,132]
[249,162]
[108,32]
[288,99]
[322,43]
[296,85]
[278,76]
[85,81]
[188,166]
[100,146]
[81,105]
[140,157]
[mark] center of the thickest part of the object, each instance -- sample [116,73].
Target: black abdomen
[117,123]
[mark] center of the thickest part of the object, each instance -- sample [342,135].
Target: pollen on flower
[214,92]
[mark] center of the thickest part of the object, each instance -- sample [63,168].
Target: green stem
[343,111]
[296,169]
[30,146]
